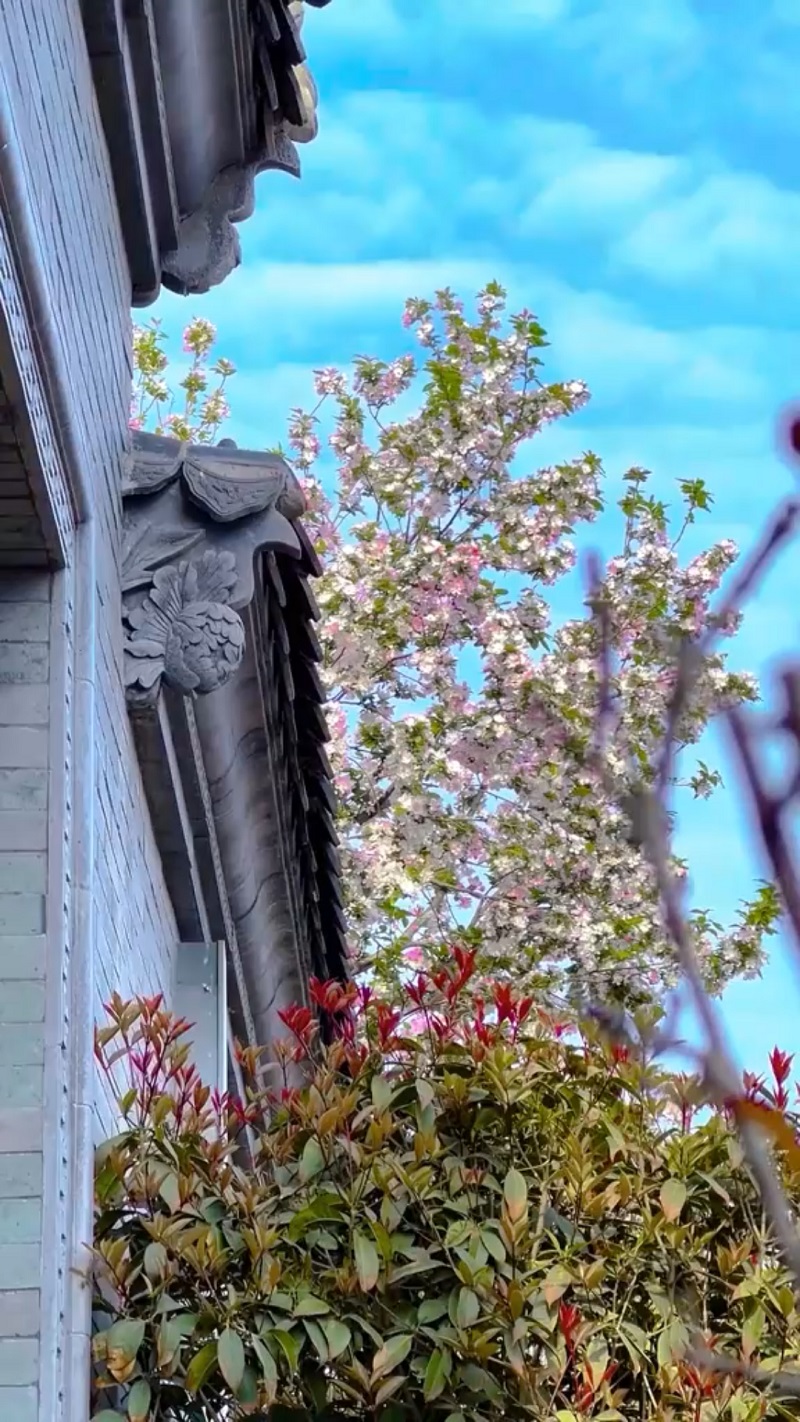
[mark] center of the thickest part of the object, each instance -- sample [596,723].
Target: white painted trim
[40,360]
[223,1026]
[65,1366]
[83,1066]
[58,1183]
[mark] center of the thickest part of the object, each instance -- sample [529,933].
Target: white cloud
[599,191]
[282,312]
[726,226]
[328,291]
[367,25]
[785,12]
[359,24]
[642,46]
[405,174]
[286,312]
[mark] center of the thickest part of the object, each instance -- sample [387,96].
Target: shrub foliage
[466,1210]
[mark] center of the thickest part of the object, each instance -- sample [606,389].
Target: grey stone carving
[208,248]
[195,519]
[208,244]
[185,631]
[238,782]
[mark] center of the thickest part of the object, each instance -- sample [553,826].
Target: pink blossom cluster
[203,408]
[463,718]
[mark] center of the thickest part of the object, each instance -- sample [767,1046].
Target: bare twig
[722,1076]
[598,602]
[651,813]
[788,1383]
[769,810]
[692,653]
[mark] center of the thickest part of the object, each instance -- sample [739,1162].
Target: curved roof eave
[196,97]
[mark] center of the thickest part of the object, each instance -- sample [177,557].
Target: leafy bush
[467,1210]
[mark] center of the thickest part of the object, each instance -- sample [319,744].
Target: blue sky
[630,171]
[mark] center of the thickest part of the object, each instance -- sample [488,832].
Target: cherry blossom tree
[484,753]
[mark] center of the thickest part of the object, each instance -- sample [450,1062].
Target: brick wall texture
[24,756]
[45,72]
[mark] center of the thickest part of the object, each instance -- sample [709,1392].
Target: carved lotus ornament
[185,631]
[195,521]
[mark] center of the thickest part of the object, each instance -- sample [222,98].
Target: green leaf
[155,1260]
[309,1307]
[556,1283]
[312,1160]
[515,1194]
[672,1343]
[247,1391]
[269,1368]
[318,1340]
[417,1266]
[493,1246]
[101,1155]
[126,1338]
[338,1335]
[753,1328]
[458,1232]
[388,1388]
[230,1354]
[394,1352]
[170,1192]
[168,1341]
[636,1341]
[673,1198]
[383,1239]
[186,1322]
[436,1374]
[201,1366]
[381,1093]
[426,1093]
[367,1261]
[468,1309]
[478,1380]
[139,1399]
[430,1310]
[288,1345]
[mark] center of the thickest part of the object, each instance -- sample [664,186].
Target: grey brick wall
[47,87]
[20,529]
[82,256]
[24,690]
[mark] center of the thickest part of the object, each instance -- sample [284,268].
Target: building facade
[166,813]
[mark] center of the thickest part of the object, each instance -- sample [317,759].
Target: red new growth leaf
[753,1085]
[299,1020]
[569,1319]
[417,991]
[504,1002]
[386,1019]
[781,1064]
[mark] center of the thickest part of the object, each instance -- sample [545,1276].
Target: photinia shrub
[466,1210]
